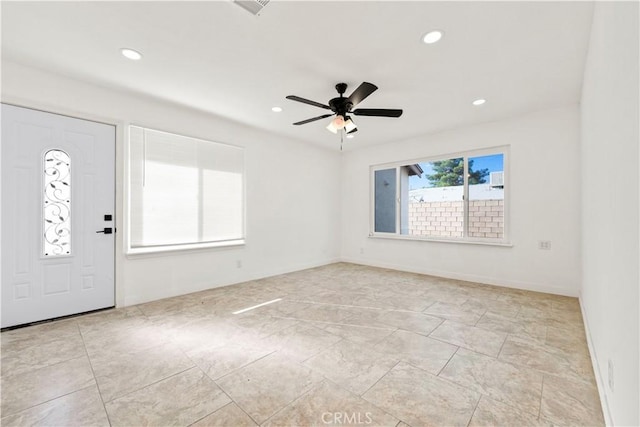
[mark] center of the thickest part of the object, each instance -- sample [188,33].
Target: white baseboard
[141,299]
[291,269]
[468,277]
[600,381]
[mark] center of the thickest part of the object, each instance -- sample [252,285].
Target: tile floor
[346,345]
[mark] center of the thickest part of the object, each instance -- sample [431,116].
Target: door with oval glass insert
[57,190]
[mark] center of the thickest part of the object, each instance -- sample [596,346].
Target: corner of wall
[600,381]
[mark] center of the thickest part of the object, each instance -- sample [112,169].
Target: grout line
[241,408]
[321,351]
[95,379]
[515,409]
[360,306]
[546,333]
[364,400]
[436,328]
[445,365]
[378,341]
[475,409]
[3,415]
[481,317]
[220,408]
[241,367]
[462,346]
[232,401]
[428,307]
[154,383]
[37,368]
[285,328]
[502,346]
[447,380]
[518,312]
[361,395]
[486,310]
[541,391]
[312,388]
[442,320]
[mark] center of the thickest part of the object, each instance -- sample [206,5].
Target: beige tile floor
[346,345]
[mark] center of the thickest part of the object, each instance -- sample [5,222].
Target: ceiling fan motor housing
[341,105]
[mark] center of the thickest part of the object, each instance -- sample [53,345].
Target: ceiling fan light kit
[349,126]
[341,107]
[336,124]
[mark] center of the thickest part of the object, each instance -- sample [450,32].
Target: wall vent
[252,6]
[496,179]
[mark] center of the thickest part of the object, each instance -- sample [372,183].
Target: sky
[493,162]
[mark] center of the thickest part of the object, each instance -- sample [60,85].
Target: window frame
[160,249]
[466,239]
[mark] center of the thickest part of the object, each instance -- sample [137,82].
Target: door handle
[106,230]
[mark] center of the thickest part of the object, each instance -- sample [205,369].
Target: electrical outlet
[610,366]
[544,245]
[238,264]
[361,251]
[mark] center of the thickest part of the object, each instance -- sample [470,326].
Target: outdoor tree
[451,172]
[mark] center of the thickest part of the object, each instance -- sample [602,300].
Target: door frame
[118,174]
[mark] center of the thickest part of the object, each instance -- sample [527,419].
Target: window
[458,197]
[183,192]
[56,204]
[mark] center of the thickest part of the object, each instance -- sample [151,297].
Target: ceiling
[217,57]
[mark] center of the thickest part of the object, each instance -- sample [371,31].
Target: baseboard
[600,382]
[468,277]
[137,299]
[291,269]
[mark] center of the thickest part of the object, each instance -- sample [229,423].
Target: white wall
[610,188]
[544,171]
[292,189]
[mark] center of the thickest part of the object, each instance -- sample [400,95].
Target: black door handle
[106,230]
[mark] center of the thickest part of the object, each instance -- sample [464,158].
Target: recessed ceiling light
[432,36]
[276,109]
[134,55]
[479,102]
[350,136]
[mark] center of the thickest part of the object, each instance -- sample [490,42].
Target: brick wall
[445,219]
[436,219]
[486,218]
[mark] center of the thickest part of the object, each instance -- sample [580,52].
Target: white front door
[58,194]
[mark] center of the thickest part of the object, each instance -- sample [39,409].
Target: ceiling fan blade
[364,90]
[313,119]
[307,101]
[377,112]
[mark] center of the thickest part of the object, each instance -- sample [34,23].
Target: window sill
[457,241]
[168,249]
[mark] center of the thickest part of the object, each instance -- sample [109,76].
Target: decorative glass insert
[57,203]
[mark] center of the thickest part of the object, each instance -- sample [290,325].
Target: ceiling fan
[341,107]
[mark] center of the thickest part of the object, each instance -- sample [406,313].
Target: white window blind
[184,191]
